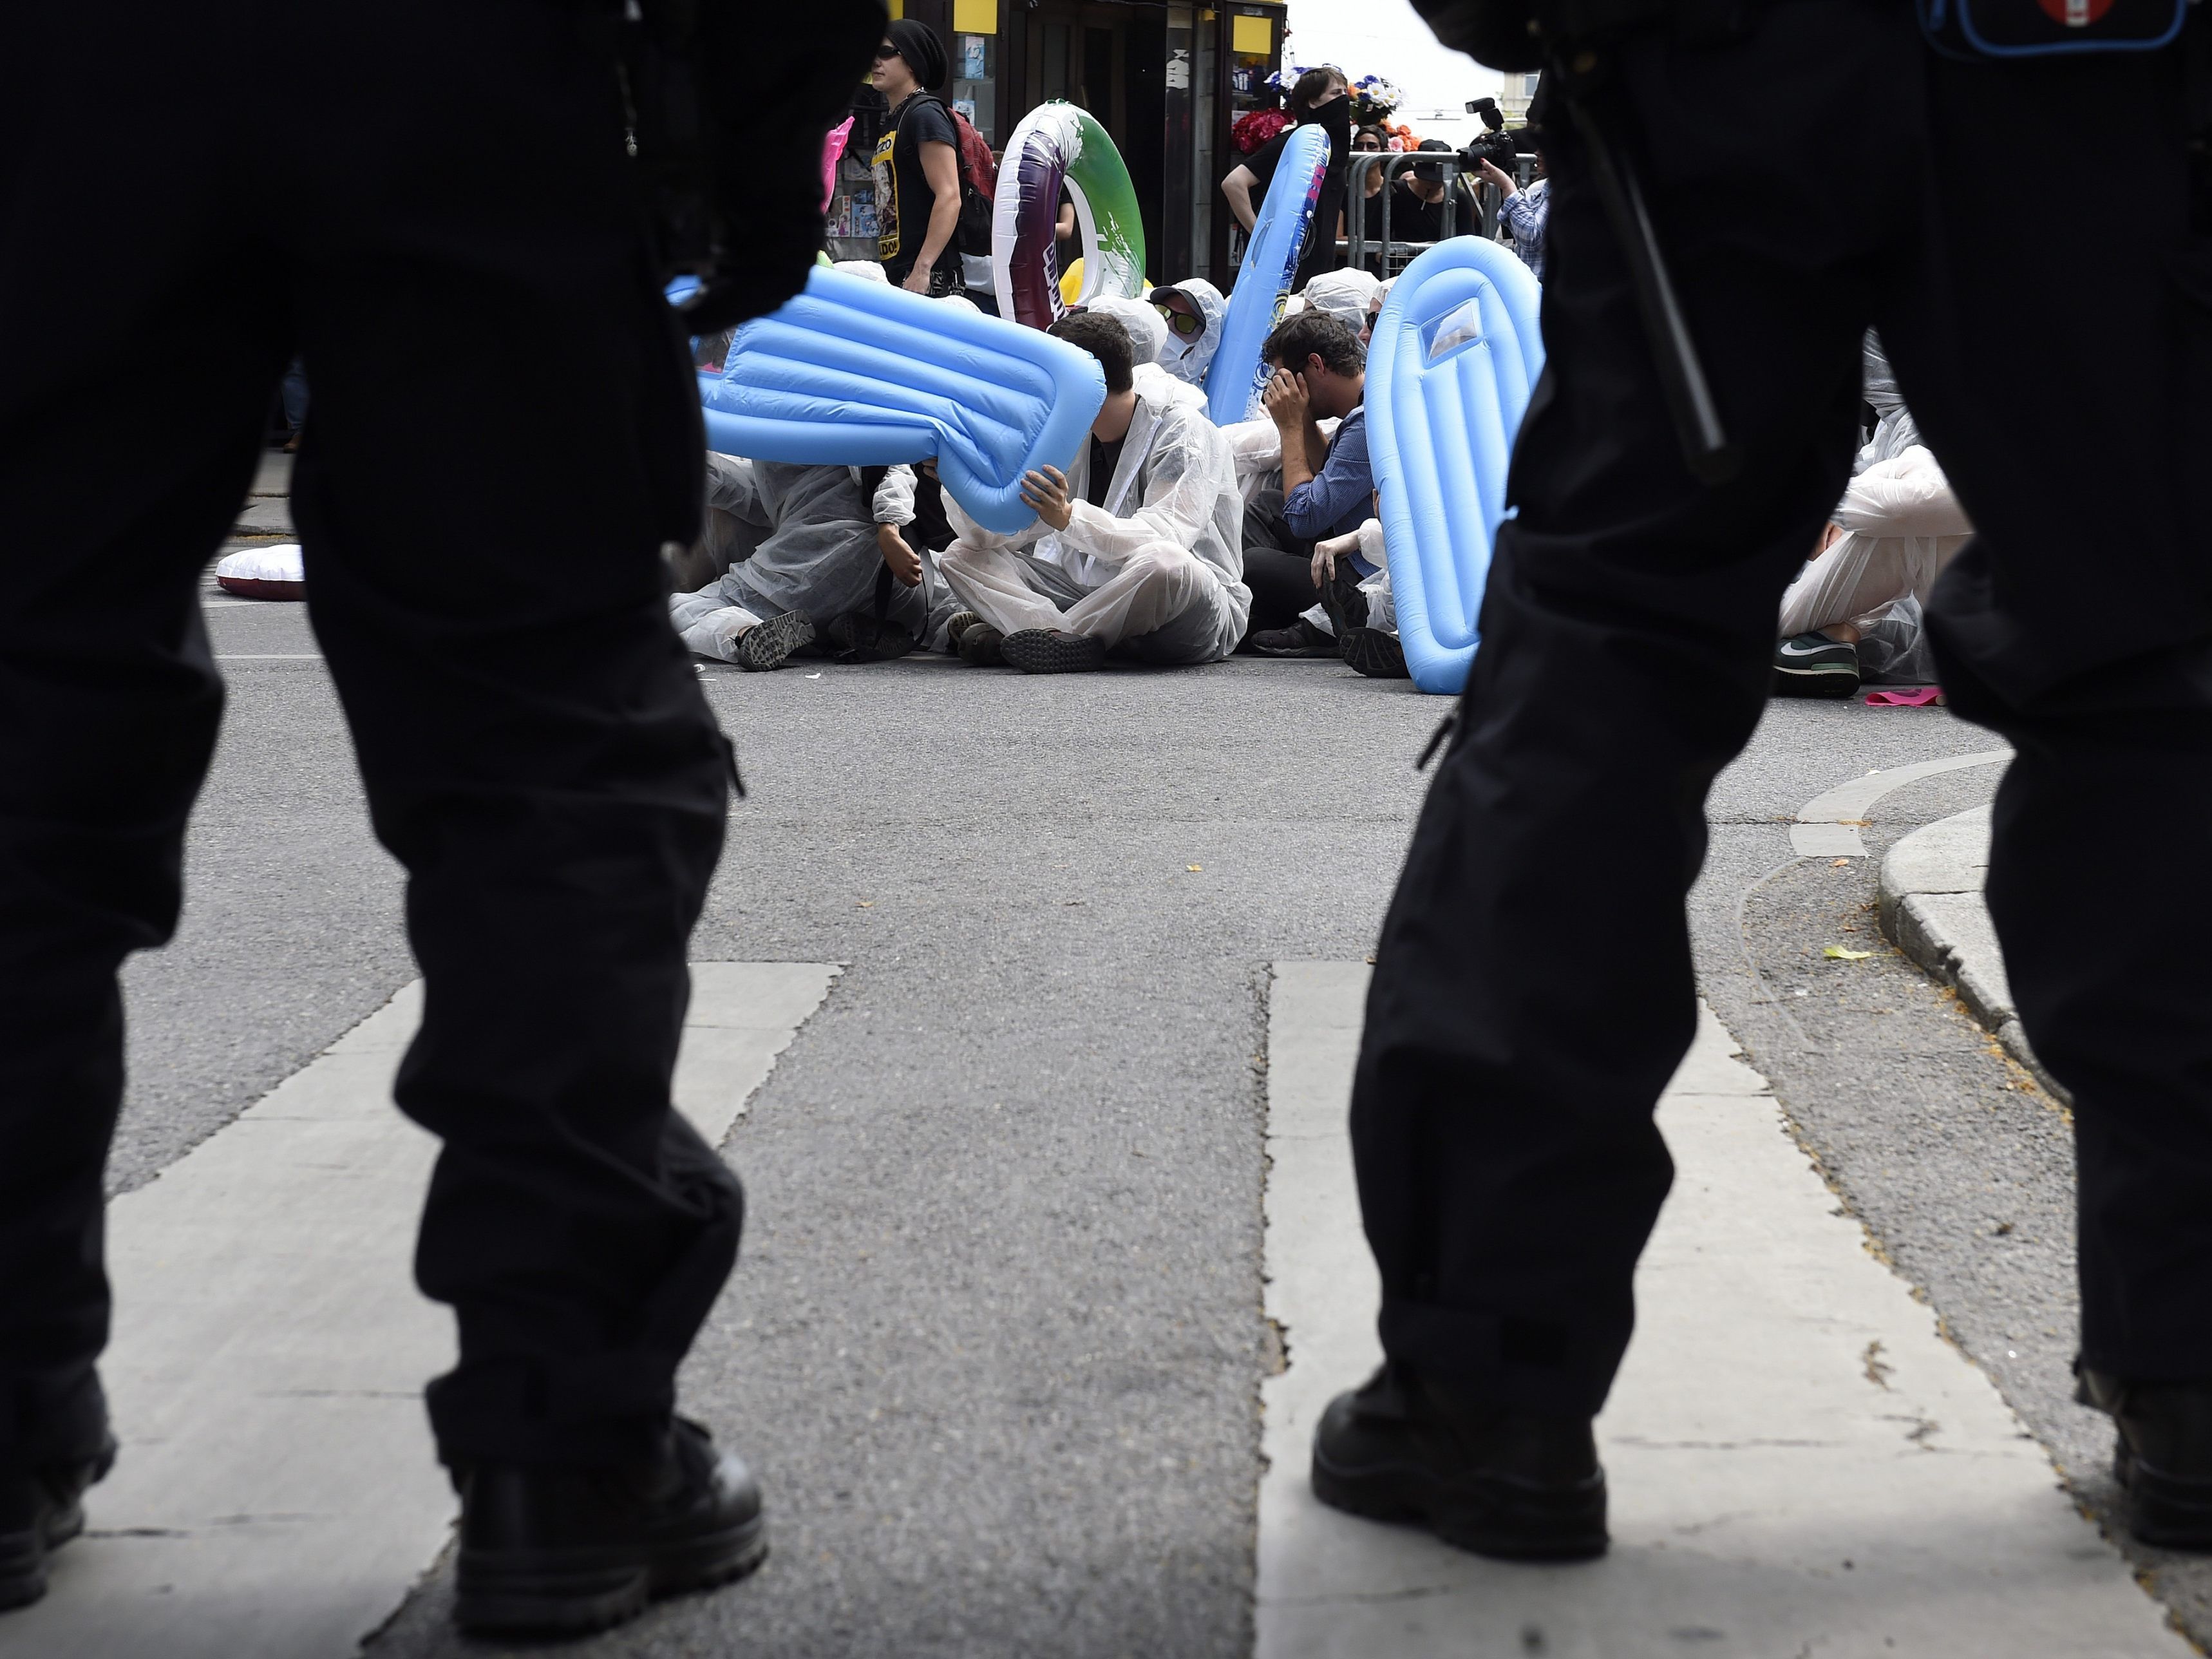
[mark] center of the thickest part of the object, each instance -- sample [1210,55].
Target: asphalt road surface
[995,1339]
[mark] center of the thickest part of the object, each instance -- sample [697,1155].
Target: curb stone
[1932,909]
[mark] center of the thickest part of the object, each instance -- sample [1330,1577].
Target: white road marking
[277,1494]
[1799,1463]
[268,656]
[1828,824]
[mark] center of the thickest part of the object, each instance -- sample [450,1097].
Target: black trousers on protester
[1533,989]
[432,204]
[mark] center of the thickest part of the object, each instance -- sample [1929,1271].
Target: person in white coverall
[1195,315]
[1136,547]
[1147,328]
[1856,606]
[817,550]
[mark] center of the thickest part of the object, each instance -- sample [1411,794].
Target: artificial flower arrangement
[1373,99]
[1253,129]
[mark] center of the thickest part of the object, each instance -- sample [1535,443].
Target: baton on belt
[1712,459]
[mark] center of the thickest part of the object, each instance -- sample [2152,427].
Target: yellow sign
[975,17]
[1255,36]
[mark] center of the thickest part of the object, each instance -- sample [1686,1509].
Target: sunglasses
[1180,321]
[886,51]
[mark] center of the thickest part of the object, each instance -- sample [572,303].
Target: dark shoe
[1051,651]
[1491,1479]
[2162,1455]
[40,1512]
[863,639]
[1814,666]
[1300,639]
[974,641]
[1345,605]
[557,1550]
[768,644]
[1375,653]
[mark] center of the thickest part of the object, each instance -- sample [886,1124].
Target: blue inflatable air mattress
[1237,376]
[1450,365]
[859,374]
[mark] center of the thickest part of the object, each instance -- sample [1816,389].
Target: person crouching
[1137,548]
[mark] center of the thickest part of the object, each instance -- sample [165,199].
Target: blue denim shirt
[1338,499]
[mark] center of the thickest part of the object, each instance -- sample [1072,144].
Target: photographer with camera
[1521,212]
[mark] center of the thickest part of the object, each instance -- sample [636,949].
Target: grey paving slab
[1798,1462]
[276,1493]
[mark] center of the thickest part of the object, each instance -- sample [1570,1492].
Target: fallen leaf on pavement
[1194,868]
[1844,953]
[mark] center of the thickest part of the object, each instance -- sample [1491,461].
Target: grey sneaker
[1814,666]
[769,644]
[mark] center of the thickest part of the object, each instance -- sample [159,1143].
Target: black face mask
[1334,117]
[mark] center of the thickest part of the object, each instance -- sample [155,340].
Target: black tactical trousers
[432,204]
[2049,309]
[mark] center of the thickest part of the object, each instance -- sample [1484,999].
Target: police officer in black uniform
[1813,166]
[438,205]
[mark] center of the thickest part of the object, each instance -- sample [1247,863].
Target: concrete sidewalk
[1933,909]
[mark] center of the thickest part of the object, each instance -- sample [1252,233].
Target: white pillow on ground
[263,573]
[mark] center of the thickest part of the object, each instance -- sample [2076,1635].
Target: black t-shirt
[1104,457]
[1412,219]
[1320,253]
[903,197]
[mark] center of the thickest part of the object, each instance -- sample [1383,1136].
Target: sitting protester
[1135,547]
[1359,609]
[1344,295]
[1320,373]
[1855,609]
[1195,314]
[829,561]
[1146,327]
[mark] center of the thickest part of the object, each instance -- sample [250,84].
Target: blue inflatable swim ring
[851,372]
[1450,364]
[1237,376]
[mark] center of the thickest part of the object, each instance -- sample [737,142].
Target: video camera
[1495,146]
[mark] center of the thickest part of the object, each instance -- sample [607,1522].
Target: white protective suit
[1148,336]
[1158,570]
[1903,526]
[814,550]
[1343,295]
[1188,360]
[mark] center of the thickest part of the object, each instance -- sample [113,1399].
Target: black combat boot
[556,1550]
[2162,1457]
[40,1512]
[1495,1479]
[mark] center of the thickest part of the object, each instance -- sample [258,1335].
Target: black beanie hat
[924,52]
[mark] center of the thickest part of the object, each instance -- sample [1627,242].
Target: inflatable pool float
[850,372]
[263,573]
[1058,144]
[1233,385]
[1453,357]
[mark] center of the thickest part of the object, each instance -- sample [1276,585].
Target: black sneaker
[1300,639]
[768,644]
[976,641]
[2162,1455]
[1375,653]
[1494,1480]
[40,1512]
[1342,600]
[1053,650]
[554,1550]
[1814,666]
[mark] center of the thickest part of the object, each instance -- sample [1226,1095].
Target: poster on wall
[966,108]
[972,57]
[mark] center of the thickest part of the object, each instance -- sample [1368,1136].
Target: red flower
[1256,129]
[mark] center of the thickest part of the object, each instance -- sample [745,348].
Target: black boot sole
[23,1556]
[2171,1511]
[575,1592]
[1371,652]
[1814,683]
[1496,1515]
[1040,651]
